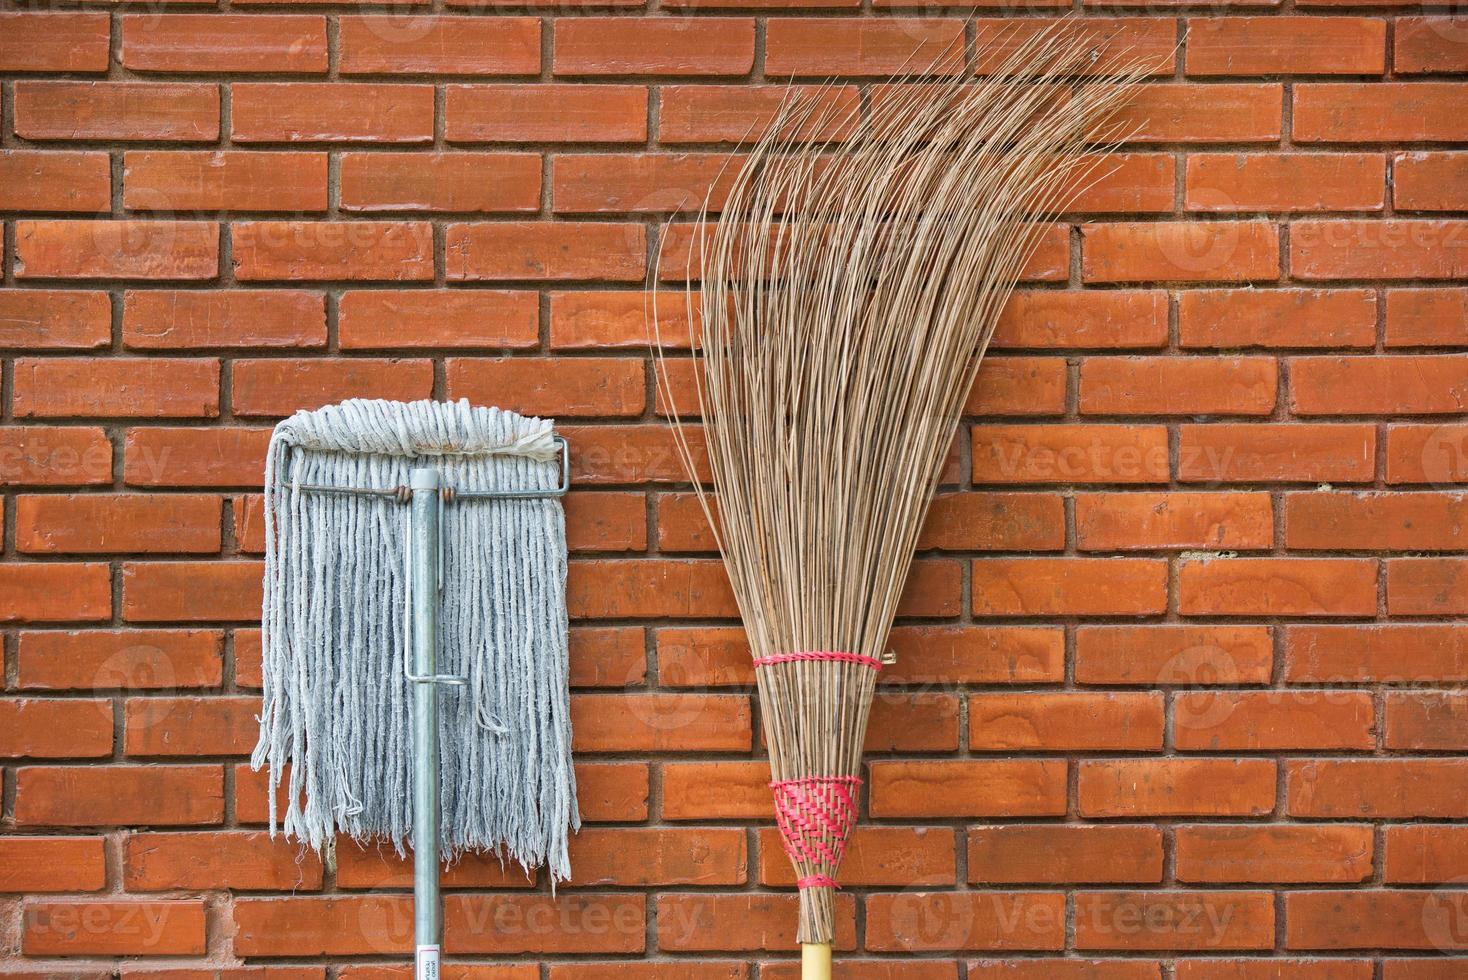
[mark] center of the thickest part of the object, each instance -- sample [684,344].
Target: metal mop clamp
[426,494]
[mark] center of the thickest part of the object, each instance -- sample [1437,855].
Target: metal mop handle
[423,561]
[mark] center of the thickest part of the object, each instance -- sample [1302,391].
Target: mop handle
[815,961]
[424,568]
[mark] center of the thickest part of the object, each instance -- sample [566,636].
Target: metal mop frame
[427,496]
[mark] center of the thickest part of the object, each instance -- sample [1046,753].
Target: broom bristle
[849,288]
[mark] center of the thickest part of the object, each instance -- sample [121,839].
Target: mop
[414,608]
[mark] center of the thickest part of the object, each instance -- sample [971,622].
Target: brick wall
[1176,695]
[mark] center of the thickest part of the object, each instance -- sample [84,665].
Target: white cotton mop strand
[336,722]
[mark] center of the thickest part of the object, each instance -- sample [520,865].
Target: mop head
[336,723]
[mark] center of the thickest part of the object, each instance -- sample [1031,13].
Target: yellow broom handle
[815,961]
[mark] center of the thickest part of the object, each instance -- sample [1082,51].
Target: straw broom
[849,288]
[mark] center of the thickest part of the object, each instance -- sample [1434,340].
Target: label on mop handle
[425,964]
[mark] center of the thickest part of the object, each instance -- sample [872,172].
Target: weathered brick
[164,111]
[163,249]
[213,43]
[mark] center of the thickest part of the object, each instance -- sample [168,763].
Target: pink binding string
[815,817]
[808,655]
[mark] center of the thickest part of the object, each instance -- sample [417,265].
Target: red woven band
[803,655]
[815,816]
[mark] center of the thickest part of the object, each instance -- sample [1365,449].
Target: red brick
[1394,789]
[247,658]
[1378,112]
[43,180]
[743,113]
[113,928]
[1433,721]
[1186,656]
[127,387]
[164,726]
[429,44]
[1178,251]
[270,112]
[280,386]
[662,856]
[54,319]
[1428,44]
[1283,183]
[893,856]
[53,728]
[564,250]
[371,865]
[191,590]
[584,923]
[614,791]
[1065,722]
[1375,919]
[386,319]
[212,860]
[1219,113]
[1286,45]
[995,522]
[735,923]
[212,43]
[1178,386]
[1052,319]
[530,113]
[1425,317]
[1069,453]
[1277,587]
[1019,386]
[1146,521]
[656,970]
[661,722]
[620,183]
[609,589]
[55,592]
[1186,921]
[157,796]
[600,386]
[1386,654]
[1379,249]
[968,788]
[165,111]
[52,864]
[135,660]
[622,318]
[482,182]
[229,180]
[160,319]
[1424,384]
[925,969]
[611,656]
[1254,721]
[1420,854]
[193,457]
[913,921]
[71,42]
[820,46]
[1067,969]
[1283,854]
[1375,521]
[163,249]
[630,454]
[1426,586]
[1210,318]
[1430,181]
[1403,968]
[1431,453]
[330,925]
[913,722]
[1068,586]
[1276,452]
[1176,787]
[1041,854]
[116,524]
[661,46]
[356,250]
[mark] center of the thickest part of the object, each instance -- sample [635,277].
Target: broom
[849,288]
